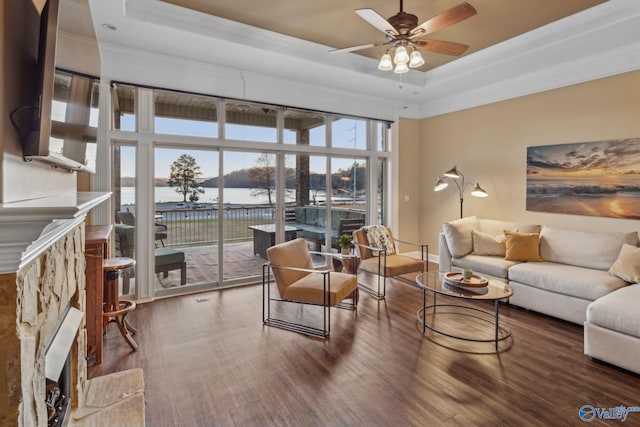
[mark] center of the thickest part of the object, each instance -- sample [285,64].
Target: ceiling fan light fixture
[385,62]
[402,32]
[401,57]
[401,68]
[416,59]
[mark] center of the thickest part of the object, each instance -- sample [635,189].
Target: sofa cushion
[565,279]
[487,244]
[522,246]
[492,265]
[617,311]
[588,249]
[627,266]
[458,235]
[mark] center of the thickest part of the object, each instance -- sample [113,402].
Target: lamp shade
[401,56]
[401,68]
[479,191]
[440,184]
[453,173]
[416,60]
[385,63]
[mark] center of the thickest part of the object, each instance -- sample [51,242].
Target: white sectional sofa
[570,280]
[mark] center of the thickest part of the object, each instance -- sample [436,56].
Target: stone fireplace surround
[42,273]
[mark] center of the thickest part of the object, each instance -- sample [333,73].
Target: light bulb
[401,56]
[385,63]
[416,59]
[441,184]
[401,68]
[479,191]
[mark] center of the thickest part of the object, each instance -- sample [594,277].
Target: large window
[250,175]
[349,132]
[305,128]
[251,122]
[185,114]
[123,99]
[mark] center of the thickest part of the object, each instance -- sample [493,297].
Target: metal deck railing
[199,226]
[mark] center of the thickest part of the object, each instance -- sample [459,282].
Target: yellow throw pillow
[522,246]
[627,266]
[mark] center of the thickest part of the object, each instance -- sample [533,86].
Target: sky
[347,132]
[589,159]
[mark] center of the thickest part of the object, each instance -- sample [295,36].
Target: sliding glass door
[186,236]
[204,186]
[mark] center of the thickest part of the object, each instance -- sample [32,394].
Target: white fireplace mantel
[28,227]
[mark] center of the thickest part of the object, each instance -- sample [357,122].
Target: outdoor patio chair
[166,259]
[379,255]
[299,283]
[129,219]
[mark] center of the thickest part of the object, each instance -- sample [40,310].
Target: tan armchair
[386,262]
[298,282]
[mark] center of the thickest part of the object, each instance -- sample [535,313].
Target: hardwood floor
[209,361]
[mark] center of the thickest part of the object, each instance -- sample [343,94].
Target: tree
[184,176]
[263,176]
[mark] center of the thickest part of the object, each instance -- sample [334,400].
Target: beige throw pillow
[522,246]
[486,244]
[627,266]
[458,235]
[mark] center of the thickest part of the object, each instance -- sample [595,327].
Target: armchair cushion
[396,265]
[293,253]
[125,240]
[310,288]
[166,256]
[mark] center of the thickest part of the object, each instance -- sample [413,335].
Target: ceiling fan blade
[373,18]
[360,47]
[439,46]
[448,17]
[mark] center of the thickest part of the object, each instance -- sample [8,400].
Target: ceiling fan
[402,32]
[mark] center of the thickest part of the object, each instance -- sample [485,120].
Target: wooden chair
[386,262]
[299,283]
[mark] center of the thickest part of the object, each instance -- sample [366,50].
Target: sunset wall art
[588,178]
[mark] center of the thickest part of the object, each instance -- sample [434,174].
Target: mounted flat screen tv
[65,118]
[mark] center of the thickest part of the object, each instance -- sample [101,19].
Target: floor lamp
[458,178]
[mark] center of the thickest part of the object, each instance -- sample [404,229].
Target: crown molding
[598,42]
[29,227]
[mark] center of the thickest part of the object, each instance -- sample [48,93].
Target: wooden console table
[96,249]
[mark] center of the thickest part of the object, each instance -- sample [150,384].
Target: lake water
[234,196]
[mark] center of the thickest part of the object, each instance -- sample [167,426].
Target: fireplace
[42,280]
[58,397]
[58,377]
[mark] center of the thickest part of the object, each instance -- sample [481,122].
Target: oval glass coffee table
[487,326]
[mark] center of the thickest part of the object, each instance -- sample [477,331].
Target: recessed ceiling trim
[595,43]
[170,16]
[598,42]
